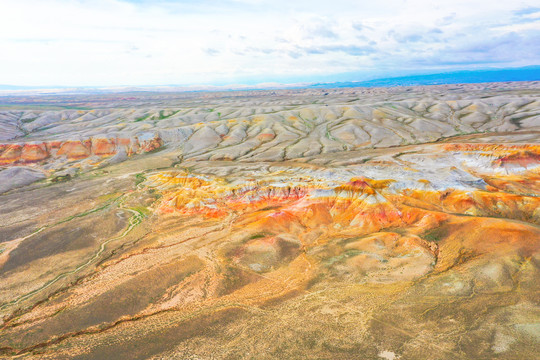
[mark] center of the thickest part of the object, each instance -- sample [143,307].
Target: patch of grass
[329,136]
[257,236]
[141,118]
[141,210]
[365,160]
[108,197]
[436,234]
[139,178]
[61,178]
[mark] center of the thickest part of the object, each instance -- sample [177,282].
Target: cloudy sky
[143,42]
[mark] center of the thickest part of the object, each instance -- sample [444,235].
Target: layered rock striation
[35,152]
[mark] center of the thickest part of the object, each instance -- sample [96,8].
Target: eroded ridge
[281,231]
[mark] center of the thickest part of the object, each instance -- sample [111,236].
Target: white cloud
[114,42]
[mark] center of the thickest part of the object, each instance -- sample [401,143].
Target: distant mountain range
[529,73]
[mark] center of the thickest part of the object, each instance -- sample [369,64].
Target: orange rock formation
[13,154]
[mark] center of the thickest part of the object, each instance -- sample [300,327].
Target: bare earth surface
[384,223]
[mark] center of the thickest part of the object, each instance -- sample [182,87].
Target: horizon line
[415,79]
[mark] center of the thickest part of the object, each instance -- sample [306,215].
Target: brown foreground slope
[288,234]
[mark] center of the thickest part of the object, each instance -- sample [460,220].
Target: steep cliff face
[72,150]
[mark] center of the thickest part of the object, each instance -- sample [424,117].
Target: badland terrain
[352,223]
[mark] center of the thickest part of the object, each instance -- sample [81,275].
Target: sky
[187,42]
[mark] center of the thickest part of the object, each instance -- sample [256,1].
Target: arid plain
[381,223]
